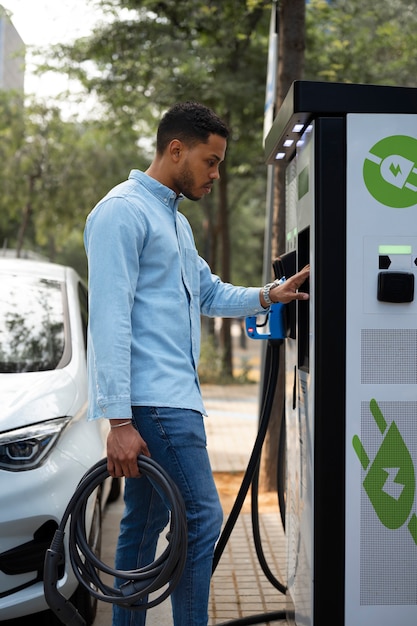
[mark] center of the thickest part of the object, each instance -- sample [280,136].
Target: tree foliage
[53,172]
[154,52]
[150,53]
[362,41]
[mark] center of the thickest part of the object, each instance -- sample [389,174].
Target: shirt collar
[162,192]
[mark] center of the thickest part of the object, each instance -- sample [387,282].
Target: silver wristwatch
[267,288]
[265,292]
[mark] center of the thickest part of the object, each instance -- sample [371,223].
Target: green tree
[11,137]
[53,172]
[361,41]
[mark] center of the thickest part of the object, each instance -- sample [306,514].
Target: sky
[45,22]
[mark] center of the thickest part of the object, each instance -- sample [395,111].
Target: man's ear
[175,149]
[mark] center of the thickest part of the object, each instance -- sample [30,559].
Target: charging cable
[251,479]
[165,571]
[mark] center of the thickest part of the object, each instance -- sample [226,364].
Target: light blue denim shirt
[147,289]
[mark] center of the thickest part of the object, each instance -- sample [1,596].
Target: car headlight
[26,448]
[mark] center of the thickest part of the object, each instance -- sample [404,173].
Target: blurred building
[12,55]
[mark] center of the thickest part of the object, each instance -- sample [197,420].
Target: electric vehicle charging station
[351,352]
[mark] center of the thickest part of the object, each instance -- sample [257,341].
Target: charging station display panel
[381,370]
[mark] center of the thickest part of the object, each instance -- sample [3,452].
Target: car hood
[26,398]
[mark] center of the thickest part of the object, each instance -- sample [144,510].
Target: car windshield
[31,324]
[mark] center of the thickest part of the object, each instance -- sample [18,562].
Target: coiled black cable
[164,572]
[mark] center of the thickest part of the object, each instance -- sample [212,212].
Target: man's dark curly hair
[191,123]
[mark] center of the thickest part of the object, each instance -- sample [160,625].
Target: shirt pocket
[190,271]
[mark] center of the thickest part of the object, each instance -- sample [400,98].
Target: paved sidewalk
[238,588]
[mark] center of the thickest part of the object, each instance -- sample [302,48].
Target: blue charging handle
[273,324]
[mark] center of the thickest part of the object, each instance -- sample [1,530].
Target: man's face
[199,167]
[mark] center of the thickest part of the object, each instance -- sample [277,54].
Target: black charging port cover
[395,287]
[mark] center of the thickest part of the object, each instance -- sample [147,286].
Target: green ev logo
[390,171]
[390,478]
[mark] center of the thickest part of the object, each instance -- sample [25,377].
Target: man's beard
[185,183]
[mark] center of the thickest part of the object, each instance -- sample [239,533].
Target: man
[148,287]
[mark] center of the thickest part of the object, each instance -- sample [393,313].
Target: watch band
[267,288]
[265,293]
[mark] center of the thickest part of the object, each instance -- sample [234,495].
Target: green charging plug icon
[390,171]
[390,478]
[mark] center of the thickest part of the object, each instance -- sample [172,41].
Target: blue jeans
[177,441]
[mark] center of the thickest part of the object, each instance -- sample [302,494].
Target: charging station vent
[389,356]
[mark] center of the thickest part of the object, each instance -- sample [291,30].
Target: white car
[46,444]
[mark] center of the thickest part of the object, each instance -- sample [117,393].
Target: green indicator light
[292,233]
[394,250]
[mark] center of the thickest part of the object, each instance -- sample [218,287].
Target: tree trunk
[224,231]
[291,42]
[209,253]
[26,213]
